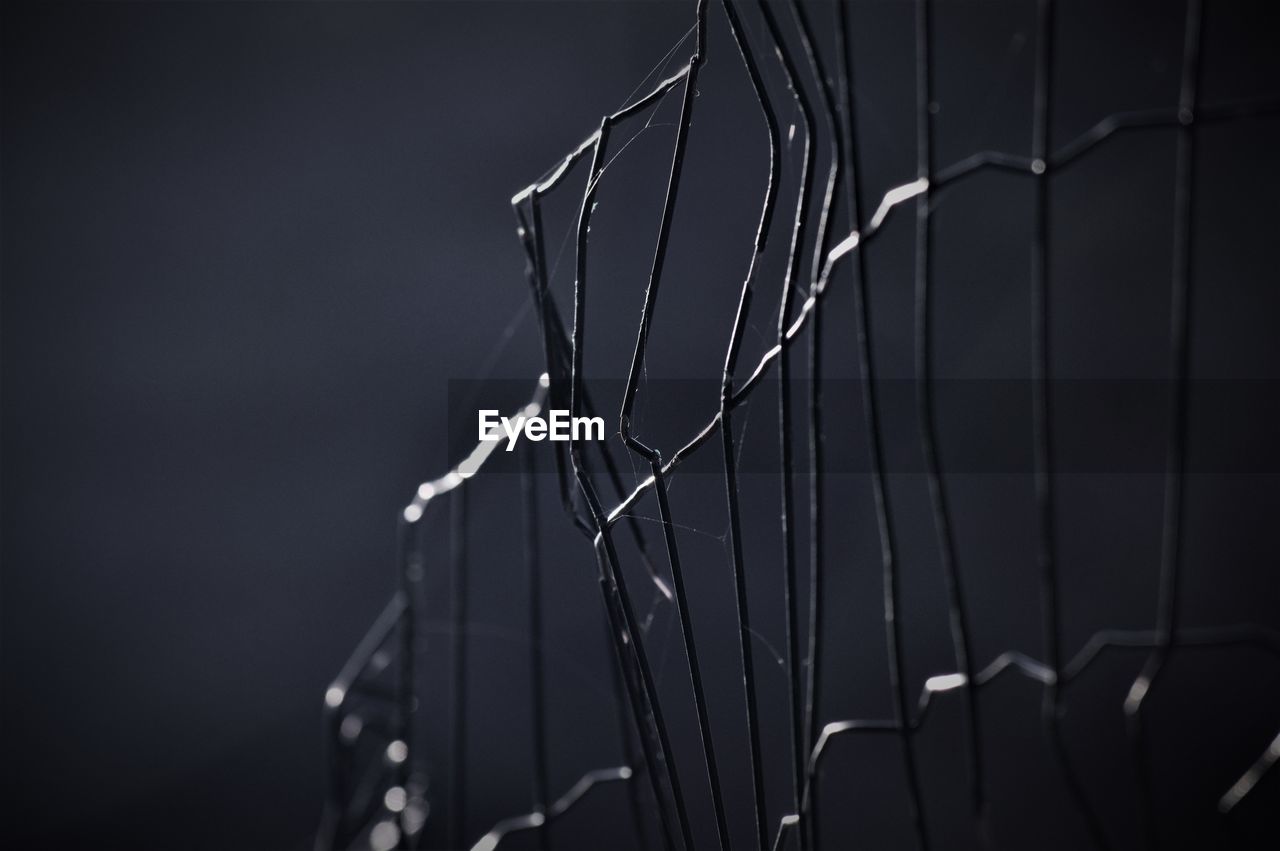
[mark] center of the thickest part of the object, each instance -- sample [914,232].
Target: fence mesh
[379,793]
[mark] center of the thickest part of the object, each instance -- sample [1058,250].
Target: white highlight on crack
[537,819]
[470,465]
[1251,777]
[896,196]
[945,682]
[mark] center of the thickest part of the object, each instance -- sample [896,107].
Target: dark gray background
[246,246]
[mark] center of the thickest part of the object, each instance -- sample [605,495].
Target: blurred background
[247,246]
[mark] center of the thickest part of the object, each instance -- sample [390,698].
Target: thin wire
[924,407]
[555,345]
[537,668]
[661,64]
[1042,422]
[626,635]
[862,324]
[737,558]
[540,820]
[1180,364]
[791,589]
[459,601]
[654,457]
[809,816]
